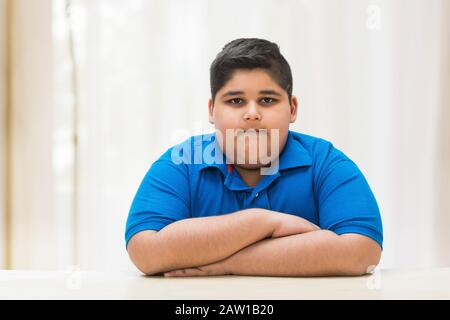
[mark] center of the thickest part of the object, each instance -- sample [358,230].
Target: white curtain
[371,76]
[3,90]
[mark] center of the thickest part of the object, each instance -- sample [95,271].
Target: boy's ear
[294,108]
[210,111]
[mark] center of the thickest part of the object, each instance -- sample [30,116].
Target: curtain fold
[3,132]
[41,225]
[442,159]
[32,220]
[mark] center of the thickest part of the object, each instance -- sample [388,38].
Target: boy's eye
[267,100]
[235,101]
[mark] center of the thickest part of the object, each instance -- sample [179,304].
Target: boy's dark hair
[250,53]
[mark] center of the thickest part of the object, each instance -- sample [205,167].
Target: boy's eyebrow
[270,92]
[236,93]
[232,93]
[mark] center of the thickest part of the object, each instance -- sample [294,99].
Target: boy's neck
[250,176]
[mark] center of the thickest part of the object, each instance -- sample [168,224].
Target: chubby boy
[253,198]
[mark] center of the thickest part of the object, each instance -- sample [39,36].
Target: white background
[371,76]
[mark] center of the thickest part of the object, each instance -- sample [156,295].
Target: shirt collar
[294,154]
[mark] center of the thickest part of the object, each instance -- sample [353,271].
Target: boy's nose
[252,113]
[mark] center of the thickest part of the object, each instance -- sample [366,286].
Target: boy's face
[251,99]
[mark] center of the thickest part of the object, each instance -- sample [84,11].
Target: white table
[383,284]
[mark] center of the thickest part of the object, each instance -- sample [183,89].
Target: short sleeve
[346,202]
[162,198]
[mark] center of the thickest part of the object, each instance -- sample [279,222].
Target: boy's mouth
[250,132]
[254,130]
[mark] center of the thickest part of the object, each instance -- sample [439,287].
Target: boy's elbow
[366,255]
[141,253]
[367,263]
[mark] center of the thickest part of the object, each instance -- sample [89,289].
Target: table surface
[75,284]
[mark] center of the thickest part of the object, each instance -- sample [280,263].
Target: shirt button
[256,195]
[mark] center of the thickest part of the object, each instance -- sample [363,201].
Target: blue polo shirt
[314,181]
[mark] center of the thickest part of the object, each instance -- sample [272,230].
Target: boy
[263,200]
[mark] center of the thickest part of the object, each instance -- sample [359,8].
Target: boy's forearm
[199,241]
[318,253]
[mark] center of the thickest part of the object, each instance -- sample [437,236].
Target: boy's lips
[254,129]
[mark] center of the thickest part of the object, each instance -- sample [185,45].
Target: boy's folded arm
[320,253]
[200,241]
[197,241]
